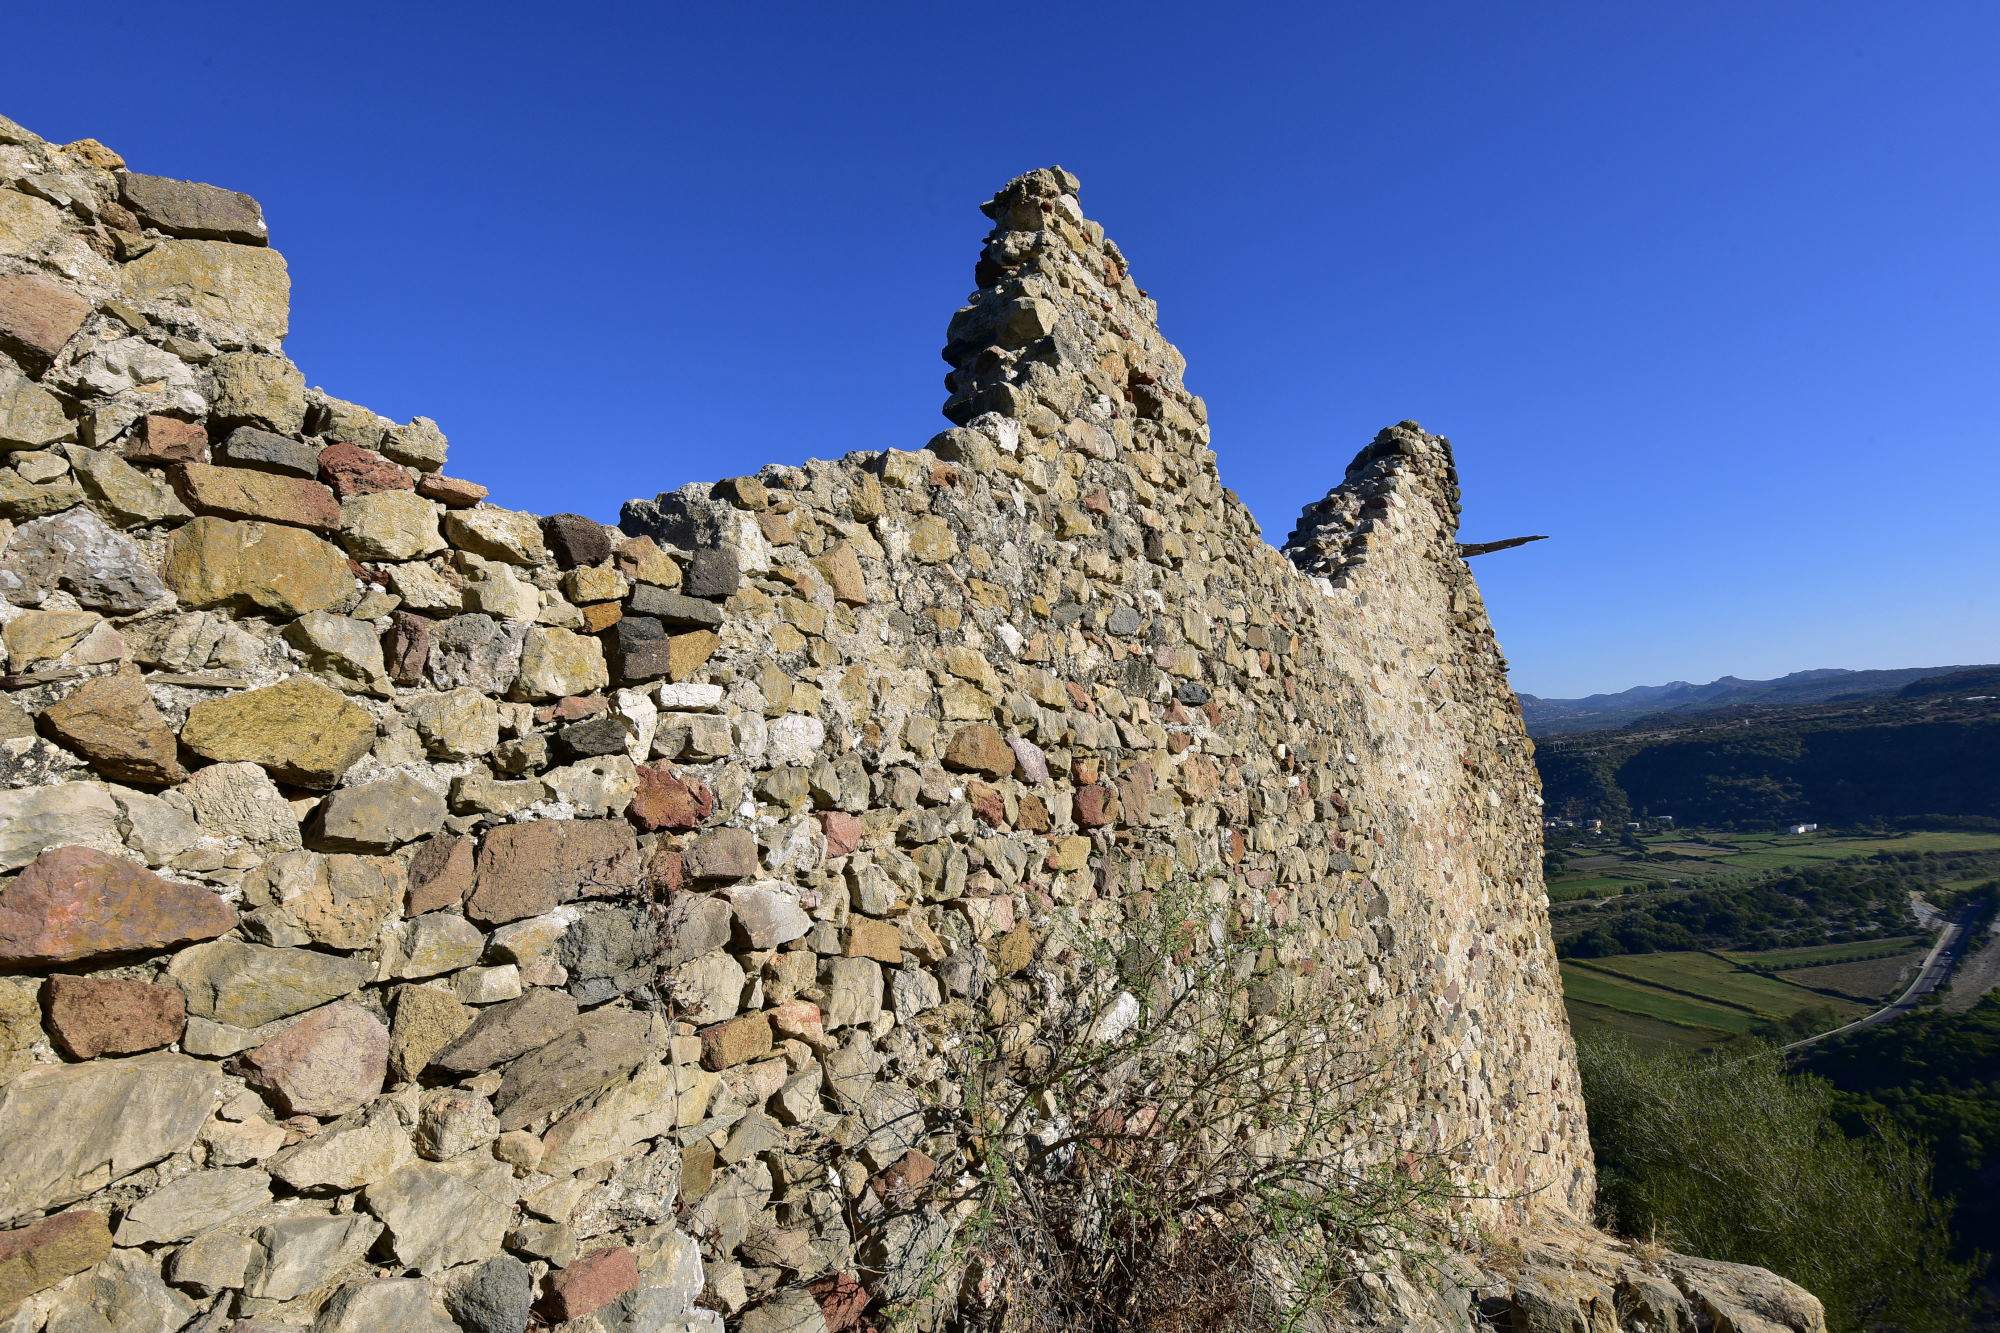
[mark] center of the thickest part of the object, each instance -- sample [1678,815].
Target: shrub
[1163,1137]
[1733,1158]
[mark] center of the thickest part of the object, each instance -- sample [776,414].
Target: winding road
[1937,966]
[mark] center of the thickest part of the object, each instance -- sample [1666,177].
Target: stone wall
[425,915]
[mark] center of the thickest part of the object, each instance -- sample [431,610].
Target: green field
[1632,997]
[1594,1020]
[1713,979]
[1829,953]
[1876,980]
[1752,853]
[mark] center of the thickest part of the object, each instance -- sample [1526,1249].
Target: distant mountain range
[1600,712]
[1921,750]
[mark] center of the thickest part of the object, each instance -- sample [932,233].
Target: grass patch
[1826,953]
[1713,979]
[1875,980]
[1632,997]
[1596,1020]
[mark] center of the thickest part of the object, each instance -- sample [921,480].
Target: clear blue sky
[1705,290]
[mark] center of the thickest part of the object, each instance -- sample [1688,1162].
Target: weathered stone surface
[255,389]
[192,1204]
[345,651]
[218,1261]
[428,1019]
[712,572]
[528,869]
[93,1016]
[301,1254]
[498,534]
[326,1064]
[599,1048]
[75,902]
[478,652]
[454,1121]
[235,287]
[455,724]
[38,317]
[505,1031]
[239,800]
[726,1045]
[113,723]
[338,901]
[249,985]
[298,730]
[25,221]
[237,492]
[418,444]
[78,554]
[841,568]
[591,1282]
[980,748]
[132,498]
[37,1256]
[622,1117]
[576,540]
[377,816]
[116,1116]
[555,662]
[497,1297]
[380,1304]
[30,416]
[255,566]
[722,853]
[355,1151]
[446,1213]
[431,945]
[35,819]
[353,471]
[188,208]
[768,913]
[390,525]
[267,451]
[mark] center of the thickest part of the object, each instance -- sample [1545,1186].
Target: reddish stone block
[326,1064]
[38,317]
[451,492]
[406,647]
[74,902]
[978,747]
[529,869]
[909,1173]
[351,470]
[843,831]
[989,807]
[37,1256]
[726,1045]
[1096,806]
[665,800]
[843,1302]
[592,1282]
[93,1016]
[168,440]
[798,1018]
[440,874]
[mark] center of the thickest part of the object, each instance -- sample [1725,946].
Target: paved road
[1937,966]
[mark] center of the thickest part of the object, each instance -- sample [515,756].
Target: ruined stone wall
[424,915]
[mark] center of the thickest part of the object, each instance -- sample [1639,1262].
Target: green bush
[1730,1157]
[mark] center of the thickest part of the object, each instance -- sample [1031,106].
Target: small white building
[1803,828]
